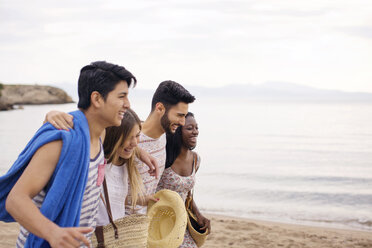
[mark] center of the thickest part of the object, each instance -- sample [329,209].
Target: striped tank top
[90,200]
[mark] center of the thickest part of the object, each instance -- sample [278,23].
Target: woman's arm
[202,221]
[143,201]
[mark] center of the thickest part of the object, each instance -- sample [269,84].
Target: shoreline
[241,232]
[321,224]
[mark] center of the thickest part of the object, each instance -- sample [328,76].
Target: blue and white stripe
[89,207]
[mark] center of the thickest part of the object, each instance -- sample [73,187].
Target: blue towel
[65,190]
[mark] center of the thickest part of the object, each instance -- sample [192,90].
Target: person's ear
[96,99]
[160,108]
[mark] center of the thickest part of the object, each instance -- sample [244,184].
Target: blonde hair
[114,140]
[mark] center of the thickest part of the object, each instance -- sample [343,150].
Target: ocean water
[294,162]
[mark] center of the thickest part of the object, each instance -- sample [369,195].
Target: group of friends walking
[53,189]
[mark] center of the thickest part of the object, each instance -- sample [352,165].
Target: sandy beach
[235,232]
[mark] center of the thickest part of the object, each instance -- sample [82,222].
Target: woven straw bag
[129,231]
[198,235]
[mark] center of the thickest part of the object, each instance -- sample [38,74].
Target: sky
[322,44]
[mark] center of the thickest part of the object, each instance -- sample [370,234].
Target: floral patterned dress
[182,185]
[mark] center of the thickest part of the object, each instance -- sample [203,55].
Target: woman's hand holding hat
[151,198]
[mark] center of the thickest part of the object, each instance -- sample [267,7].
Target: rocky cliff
[31,94]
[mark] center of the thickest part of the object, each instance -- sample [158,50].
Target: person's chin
[173,129]
[117,123]
[192,144]
[169,130]
[126,156]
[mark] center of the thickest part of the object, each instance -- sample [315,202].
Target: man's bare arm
[19,202]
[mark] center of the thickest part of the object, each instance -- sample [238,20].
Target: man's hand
[60,120]
[69,236]
[150,161]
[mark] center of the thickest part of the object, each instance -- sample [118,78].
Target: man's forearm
[25,212]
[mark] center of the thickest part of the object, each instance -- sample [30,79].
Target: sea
[297,162]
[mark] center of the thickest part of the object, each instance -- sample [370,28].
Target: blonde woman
[120,172]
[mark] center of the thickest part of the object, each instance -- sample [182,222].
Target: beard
[165,123]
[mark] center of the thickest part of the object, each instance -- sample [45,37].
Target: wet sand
[235,232]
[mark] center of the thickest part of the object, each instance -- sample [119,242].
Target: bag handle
[100,237]
[108,208]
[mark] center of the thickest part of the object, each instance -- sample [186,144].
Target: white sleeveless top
[117,187]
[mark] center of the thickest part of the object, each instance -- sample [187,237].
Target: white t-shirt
[117,187]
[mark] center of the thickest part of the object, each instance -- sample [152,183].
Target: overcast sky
[324,44]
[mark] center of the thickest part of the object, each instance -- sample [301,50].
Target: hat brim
[168,220]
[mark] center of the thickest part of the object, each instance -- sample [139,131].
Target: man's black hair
[102,77]
[171,93]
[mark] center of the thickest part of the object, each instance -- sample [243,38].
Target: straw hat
[168,220]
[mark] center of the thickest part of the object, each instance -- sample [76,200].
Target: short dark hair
[171,93]
[102,77]
[174,144]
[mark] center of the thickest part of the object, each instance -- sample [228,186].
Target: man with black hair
[169,107]
[53,188]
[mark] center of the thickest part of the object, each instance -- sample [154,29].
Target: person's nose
[134,142]
[195,131]
[182,121]
[126,103]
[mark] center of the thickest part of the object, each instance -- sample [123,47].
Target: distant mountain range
[273,91]
[280,91]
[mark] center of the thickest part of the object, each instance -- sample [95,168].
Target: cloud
[249,40]
[360,31]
